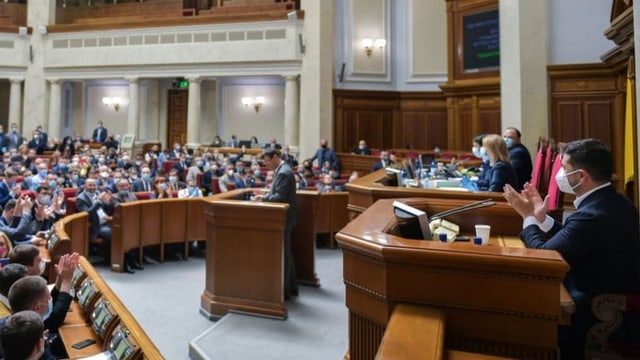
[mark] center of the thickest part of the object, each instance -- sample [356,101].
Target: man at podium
[283,190]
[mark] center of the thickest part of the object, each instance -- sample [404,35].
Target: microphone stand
[475,205]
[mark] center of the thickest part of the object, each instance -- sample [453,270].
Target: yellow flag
[629,158]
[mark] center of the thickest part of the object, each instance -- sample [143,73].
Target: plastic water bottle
[425,178]
[434,168]
[403,174]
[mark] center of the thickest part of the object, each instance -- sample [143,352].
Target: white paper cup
[483,231]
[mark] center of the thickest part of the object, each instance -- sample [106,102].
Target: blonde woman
[5,245]
[501,170]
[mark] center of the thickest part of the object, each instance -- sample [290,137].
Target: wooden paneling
[389,119]
[587,101]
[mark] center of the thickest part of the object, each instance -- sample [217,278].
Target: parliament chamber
[188,70]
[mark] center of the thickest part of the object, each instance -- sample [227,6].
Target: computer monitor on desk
[393,177]
[245,143]
[412,223]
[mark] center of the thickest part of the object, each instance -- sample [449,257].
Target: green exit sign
[183,84]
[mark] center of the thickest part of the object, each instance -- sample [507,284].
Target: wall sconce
[115,102]
[368,45]
[256,103]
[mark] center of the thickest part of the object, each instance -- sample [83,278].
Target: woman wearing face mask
[160,189]
[484,177]
[501,170]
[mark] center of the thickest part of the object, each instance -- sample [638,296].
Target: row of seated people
[78,308]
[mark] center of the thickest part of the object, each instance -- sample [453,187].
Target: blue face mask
[53,184]
[43,173]
[509,142]
[146,177]
[200,164]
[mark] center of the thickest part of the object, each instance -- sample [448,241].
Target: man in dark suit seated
[38,143]
[272,144]
[362,148]
[383,162]
[519,155]
[600,240]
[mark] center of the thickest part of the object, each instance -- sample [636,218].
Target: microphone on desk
[475,205]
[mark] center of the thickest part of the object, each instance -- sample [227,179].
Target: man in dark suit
[37,143]
[519,155]
[272,144]
[383,162]
[325,153]
[98,206]
[145,183]
[600,240]
[99,133]
[14,138]
[362,148]
[283,190]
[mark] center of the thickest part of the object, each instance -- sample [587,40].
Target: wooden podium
[497,300]
[245,267]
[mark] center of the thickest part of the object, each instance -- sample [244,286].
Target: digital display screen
[77,273]
[85,293]
[53,240]
[121,349]
[481,41]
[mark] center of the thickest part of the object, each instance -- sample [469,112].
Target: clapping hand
[528,202]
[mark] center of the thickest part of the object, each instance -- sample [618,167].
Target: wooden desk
[77,325]
[368,189]
[245,267]
[499,301]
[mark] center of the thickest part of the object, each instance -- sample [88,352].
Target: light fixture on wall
[369,44]
[115,101]
[255,103]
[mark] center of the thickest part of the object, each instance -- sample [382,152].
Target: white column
[54,109]
[15,102]
[316,78]
[523,68]
[291,112]
[193,117]
[133,123]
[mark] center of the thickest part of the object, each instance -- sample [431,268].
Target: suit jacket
[326,154]
[503,173]
[13,140]
[283,190]
[39,145]
[365,151]
[138,186]
[600,241]
[99,135]
[521,162]
[84,202]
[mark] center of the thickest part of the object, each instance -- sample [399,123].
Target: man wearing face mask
[519,155]
[362,148]
[325,153]
[230,177]
[99,133]
[32,293]
[37,143]
[384,161]
[600,241]
[14,138]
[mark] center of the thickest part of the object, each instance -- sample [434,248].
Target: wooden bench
[98,314]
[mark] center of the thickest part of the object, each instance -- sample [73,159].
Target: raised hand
[540,206]
[519,202]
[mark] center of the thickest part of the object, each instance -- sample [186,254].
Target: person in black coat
[362,148]
[99,133]
[519,155]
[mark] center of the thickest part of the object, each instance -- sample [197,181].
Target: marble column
[193,117]
[291,112]
[133,120]
[523,74]
[55,100]
[15,102]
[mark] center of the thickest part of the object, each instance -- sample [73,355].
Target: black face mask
[323,146]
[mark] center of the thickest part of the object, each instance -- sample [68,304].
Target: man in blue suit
[519,155]
[600,240]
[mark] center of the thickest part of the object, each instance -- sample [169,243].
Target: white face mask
[43,265]
[476,152]
[563,181]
